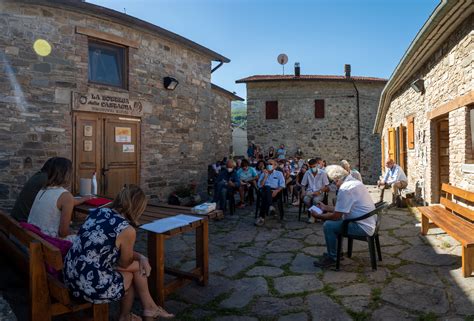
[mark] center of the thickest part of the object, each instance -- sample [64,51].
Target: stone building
[327,116]
[95,85]
[220,123]
[426,111]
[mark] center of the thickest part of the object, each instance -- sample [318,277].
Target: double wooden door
[109,146]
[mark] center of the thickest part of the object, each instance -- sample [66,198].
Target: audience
[227,182]
[101,265]
[271,182]
[53,205]
[394,178]
[248,177]
[353,201]
[260,167]
[21,209]
[315,182]
[354,173]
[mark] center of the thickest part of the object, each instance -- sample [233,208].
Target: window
[411,132]
[271,109]
[107,64]
[319,108]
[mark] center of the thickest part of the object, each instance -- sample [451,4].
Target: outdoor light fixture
[170,83]
[418,85]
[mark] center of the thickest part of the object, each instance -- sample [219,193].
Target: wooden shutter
[392,144]
[402,147]
[319,108]
[411,132]
[271,109]
[382,143]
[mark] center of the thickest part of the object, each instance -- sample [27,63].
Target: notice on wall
[128,148]
[87,131]
[106,101]
[88,145]
[123,135]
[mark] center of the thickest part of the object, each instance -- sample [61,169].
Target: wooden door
[402,148]
[443,151]
[87,147]
[121,150]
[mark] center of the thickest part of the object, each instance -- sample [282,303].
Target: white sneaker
[311,220]
[260,221]
[272,210]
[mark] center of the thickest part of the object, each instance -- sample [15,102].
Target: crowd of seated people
[264,176]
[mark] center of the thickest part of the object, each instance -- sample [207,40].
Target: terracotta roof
[257,78]
[229,94]
[132,22]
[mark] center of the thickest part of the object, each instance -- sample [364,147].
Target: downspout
[358,121]
[218,66]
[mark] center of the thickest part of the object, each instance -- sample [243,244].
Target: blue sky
[323,35]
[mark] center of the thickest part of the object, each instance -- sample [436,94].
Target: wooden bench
[48,296]
[455,219]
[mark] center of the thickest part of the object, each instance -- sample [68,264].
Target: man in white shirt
[395,178]
[353,200]
[315,182]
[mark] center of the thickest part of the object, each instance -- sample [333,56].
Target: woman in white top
[52,208]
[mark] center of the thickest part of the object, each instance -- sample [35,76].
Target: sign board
[109,102]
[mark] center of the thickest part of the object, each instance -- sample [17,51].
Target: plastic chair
[373,241]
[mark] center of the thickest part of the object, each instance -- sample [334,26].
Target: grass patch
[271,286]
[427,317]
[359,316]
[469,318]
[375,298]
[328,290]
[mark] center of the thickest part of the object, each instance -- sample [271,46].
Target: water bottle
[94,184]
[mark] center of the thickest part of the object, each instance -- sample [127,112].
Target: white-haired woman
[353,200]
[354,172]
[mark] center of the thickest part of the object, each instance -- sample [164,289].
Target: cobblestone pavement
[267,273]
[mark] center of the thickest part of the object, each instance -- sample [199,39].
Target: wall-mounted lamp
[170,83]
[418,85]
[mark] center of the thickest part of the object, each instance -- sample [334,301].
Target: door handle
[104,171]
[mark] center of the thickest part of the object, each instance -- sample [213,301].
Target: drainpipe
[347,70]
[218,66]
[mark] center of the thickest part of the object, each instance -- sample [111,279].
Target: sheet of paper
[163,225]
[316,209]
[187,218]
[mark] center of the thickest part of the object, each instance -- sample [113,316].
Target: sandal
[159,312]
[133,317]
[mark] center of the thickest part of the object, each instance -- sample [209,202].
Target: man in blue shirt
[394,178]
[281,152]
[271,182]
[227,182]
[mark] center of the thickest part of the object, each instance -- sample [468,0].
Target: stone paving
[267,273]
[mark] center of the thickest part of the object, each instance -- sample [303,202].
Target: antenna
[282,60]
[125,10]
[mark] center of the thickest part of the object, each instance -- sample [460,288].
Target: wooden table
[156,248]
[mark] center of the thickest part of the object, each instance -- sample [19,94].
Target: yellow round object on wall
[42,47]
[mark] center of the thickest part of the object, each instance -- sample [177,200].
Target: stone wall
[448,74]
[334,137]
[220,139]
[35,97]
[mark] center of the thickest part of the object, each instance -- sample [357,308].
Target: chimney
[347,70]
[297,69]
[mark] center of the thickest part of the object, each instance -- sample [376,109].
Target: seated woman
[101,265]
[52,208]
[248,179]
[298,187]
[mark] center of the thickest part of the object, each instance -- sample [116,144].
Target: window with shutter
[402,151]
[271,109]
[319,108]
[411,132]
[382,143]
[392,143]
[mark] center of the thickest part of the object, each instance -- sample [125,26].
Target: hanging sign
[109,102]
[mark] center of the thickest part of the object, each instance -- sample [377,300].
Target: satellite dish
[282,59]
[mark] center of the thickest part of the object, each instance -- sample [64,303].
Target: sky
[322,35]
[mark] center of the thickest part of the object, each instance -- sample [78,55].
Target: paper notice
[315,209]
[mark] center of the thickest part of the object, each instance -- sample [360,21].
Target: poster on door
[123,135]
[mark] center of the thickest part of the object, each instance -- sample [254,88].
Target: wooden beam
[454,104]
[107,37]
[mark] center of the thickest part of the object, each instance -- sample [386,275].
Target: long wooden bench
[455,219]
[48,296]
